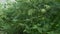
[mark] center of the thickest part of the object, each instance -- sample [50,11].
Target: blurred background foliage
[30,17]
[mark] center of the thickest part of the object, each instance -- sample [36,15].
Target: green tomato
[47,6]
[43,10]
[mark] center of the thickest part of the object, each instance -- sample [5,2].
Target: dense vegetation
[30,17]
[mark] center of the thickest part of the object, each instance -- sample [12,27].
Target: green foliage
[30,17]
